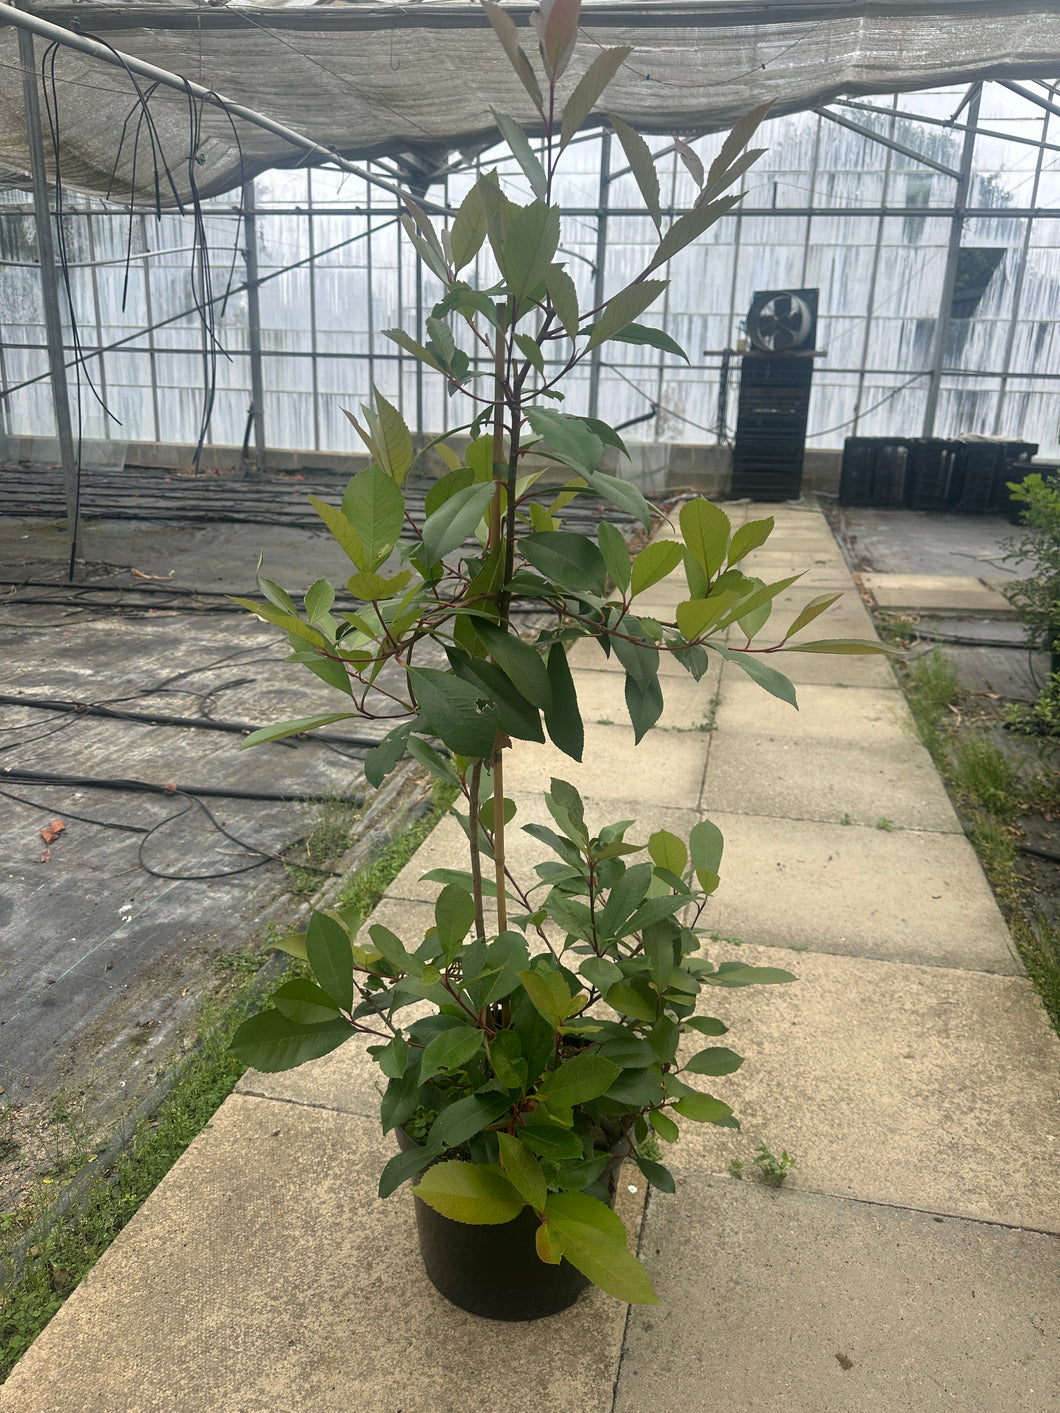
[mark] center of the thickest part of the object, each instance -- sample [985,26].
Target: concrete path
[910,1262]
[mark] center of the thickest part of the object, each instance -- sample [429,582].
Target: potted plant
[556,1006]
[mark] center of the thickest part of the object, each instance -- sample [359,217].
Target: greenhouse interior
[222,311]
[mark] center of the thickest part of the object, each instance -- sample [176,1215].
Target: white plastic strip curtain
[370,80]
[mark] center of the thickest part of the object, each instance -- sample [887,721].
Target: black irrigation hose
[36,777]
[1035,852]
[199,723]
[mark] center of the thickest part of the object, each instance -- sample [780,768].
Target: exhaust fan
[783,320]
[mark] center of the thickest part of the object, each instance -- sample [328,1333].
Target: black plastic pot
[493,1271]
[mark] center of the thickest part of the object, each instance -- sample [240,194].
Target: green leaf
[567,436]
[402,1167]
[664,1126]
[454,913]
[705,1025]
[589,89]
[761,594]
[627,1002]
[577,1081]
[742,132]
[318,600]
[550,1141]
[600,1254]
[409,344]
[549,1245]
[668,851]
[470,1193]
[564,722]
[280,729]
[549,993]
[523,1171]
[714,1060]
[342,531]
[506,32]
[706,844]
[705,529]
[329,948]
[564,297]
[529,247]
[524,154]
[393,950]
[451,711]
[515,714]
[373,587]
[428,757]
[654,338]
[654,562]
[271,1042]
[688,227]
[702,1108]
[852,646]
[468,1116]
[454,521]
[615,551]
[396,448]
[531,350]
[748,537]
[624,494]
[738,974]
[620,311]
[644,703]
[302,1000]
[469,230]
[382,759]
[374,505]
[657,1175]
[569,559]
[768,677]
[642,165]
[450,1050]
[522,663]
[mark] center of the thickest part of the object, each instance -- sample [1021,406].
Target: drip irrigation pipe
[1035,852]
[200,723]
[13,775]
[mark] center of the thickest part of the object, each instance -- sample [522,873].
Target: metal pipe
[949,279]
[890,142]
[257,381]
[58,35]
[53,323]
[598,266]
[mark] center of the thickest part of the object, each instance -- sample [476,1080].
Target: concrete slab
[687,702]
[936,592]
[904,896]
[865,715]
[265,1274]
[916,1086]
[892,785]
[837,669]
[825,1306]
[588,656]
[666,767]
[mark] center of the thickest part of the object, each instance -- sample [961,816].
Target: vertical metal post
[369,287]
[257,382]
[949,279]
[53,323]
[813,196]
[420,326]
[91,224]
[871,300]
[152,357]
[602,202]
[1017,293]
[313,350]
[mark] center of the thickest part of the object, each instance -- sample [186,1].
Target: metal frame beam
[890,142]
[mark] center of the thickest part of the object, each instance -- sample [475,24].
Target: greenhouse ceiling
[417,80]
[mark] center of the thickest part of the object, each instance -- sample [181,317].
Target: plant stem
[476,856]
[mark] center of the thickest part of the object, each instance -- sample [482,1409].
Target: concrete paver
[819,1305]
[911,1262]
[935,592]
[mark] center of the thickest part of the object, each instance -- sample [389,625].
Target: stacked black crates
[771,426]
[968,475]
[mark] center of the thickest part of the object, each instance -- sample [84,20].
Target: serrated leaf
[549,1244]
[740,135]
[469,230]
[657,1175]
[522,663]
[641,164]
[329,951]
[654,562]
[528,247]
[644,703]
[624,494]
[506,32]
[577,1081]
[302,1000]
[395,437]
[689,227]
[450,1050]
[739,974]
[627,1002]
[382,759]
[569,559]
[434,260]
[409,344]
[550,1141]
[567,435]
[810,611]
[702,1108]
[691,160]
[271,1042]
[654,338]
[342,531]
[373,587]
[668,851]
[564,297]
[601,1256]
[318,599]
[623,309]
[714,1060]
[523,153]
[549,993]
[851,646]
[760,594]
[615,551]
[454,521]
[531,350]
[589,89]
[768,677]
[451,711]
[705,1025]
[748,537]
[705,529]
[468,1116]
[470,1193]
[556,25]
[280,729]
[706,844]
[523,1170]
[564,722]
